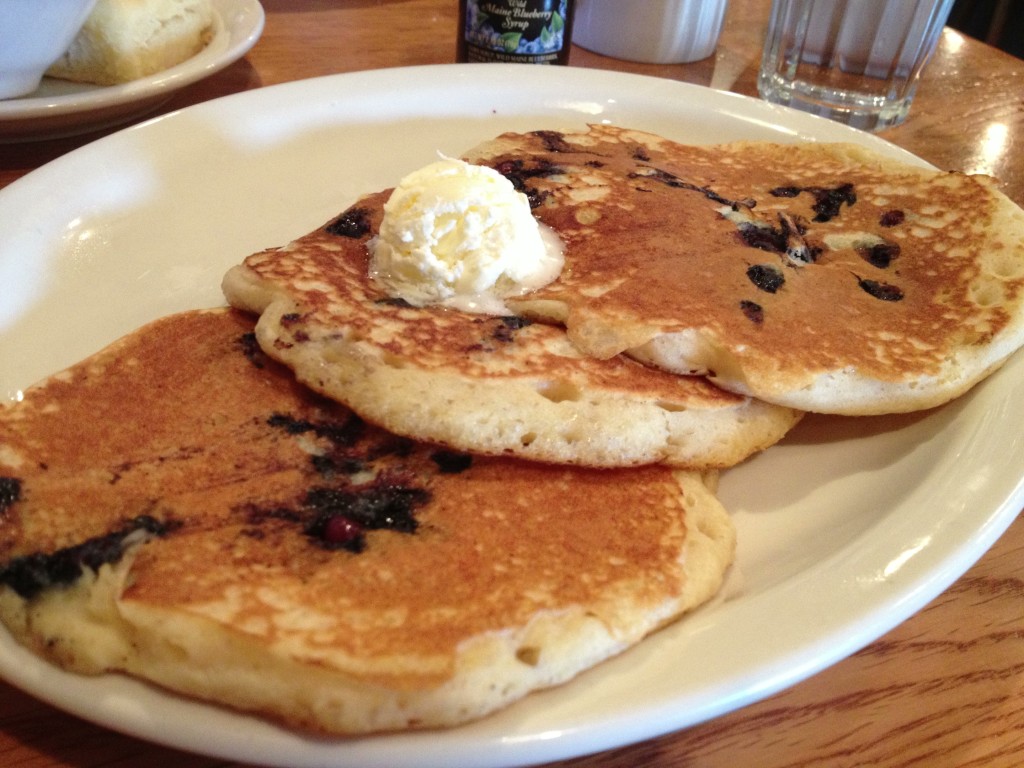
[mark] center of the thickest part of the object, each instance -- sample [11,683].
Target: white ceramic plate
[62,108]
[846,528]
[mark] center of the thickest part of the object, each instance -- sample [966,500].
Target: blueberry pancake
[493,384]
[178,508]
[822,277]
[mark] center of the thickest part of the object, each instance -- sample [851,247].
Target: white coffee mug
[651,31]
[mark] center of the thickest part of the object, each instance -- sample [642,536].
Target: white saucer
[62,108]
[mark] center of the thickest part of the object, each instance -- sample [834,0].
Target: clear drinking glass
[854,61]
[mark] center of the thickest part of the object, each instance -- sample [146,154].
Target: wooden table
[944,689]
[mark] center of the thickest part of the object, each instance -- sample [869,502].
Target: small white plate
[846,528]
[62,108]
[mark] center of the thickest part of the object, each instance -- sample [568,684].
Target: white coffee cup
[651,31]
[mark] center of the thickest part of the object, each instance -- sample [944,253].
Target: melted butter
[493,302]
[461,236]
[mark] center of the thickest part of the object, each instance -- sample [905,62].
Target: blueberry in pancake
[821,277]
[177,507]
[428,364]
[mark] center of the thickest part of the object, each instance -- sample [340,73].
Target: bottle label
[529,31]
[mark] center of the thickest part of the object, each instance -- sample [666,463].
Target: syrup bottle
[522,31]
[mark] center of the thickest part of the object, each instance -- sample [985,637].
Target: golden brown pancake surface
[215,528]
[823,277]
[496,385]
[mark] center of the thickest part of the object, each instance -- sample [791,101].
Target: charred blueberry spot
[251,349]
[392,445]
[354,223]
[640,153]
[880,255]
[813,252]
[515,170]
[394,302]
[519,173]
[451,462]
[880,290]
[553,141]
[827,200]
[10,492]
[766,277]
[771,239]
[507,326]
[341,433]
[515,322]
[535,198]
[289,425]
[389,507]
[753,311]
[326,466]
[892,218]
[785,191]
[331,466]
[31,574]
[503,333]
[594,164]
[673,181]
[786,239]
[384,507]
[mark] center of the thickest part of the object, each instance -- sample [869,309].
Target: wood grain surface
[943,690]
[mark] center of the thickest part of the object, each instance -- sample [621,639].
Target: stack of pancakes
[354,515]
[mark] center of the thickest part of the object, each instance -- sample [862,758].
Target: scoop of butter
[461,235]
